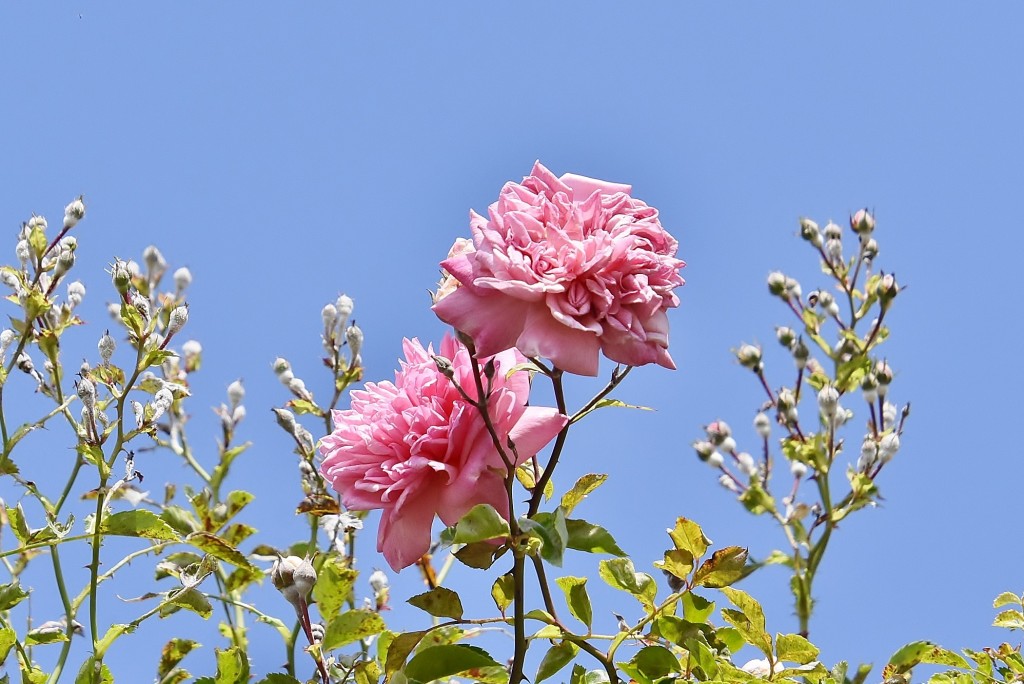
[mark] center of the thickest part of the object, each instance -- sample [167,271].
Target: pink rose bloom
[566,268]
[416,448]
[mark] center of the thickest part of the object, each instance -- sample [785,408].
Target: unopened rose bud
[883,374]
[809,231]
[354,336]
[798,469]
[65,262]
[23,251]
[294,577]
[236,393]
[888,446]
[155,262]
[344,307]
[888,415]
[444,366]
[280,367]
[869,386]
[718,431]
[793,290]
[286,419]
[777,283]
[749,356]
[828,401]
[106,347]
[800,354]
[862,222]
[763,424]
[888,288]
[298,387]
[786,336]
[746,463]
[834,251]
[868,455]
[121,276]
[728,483]
[73,213]
[728,445]
[716,460]
[178,319]
[378,581]
[870,249]
[182,279]
[704,449]
[76,293]
[329,315]
[833,232]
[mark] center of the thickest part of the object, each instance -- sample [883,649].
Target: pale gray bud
[868,455]
[191,348]
[716,460]
[236,393]
[747,463]
[763,424]
[828,401]
[888,446]
[106,347]
[23,251]
[298,387]
[73,213]
[182,278]
[344,306]
[65,262]
[354,336]
[329,315]
[798,469]
[139,411]
[178,319]
[286,419]
[378,581]
[155,262]
[777,283]
[87,393]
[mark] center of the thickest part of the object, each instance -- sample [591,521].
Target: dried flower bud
[862,222]
[704,449]
[777,283]
[329,314]
[162,401]
[746,463]
[763,424]
[76,293]
[236,393]
[870,249]
[716,460]
[298,387]
[888,446]
[141,305]
[65,262]
[833,232]
[23,251]
[344,307]
[182,278]
[809,231]
[73,213]
[888,415]
[834,251]
[178,319]
[798,469]
[869,386]
[87,393]
[7,337]
[793,290]
[717,431]
[868,455]
[106,347]
[801,354]
[749,356]
[727,482]
[155,262]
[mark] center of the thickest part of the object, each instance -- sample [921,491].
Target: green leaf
[400,648]
[652,663]
[232,666]
[179,519]
[138,523]
[725,567]
[351,626]
[557,657]
[620,574]
[48,636]
[696,608]
[172,653]
[87,674]
[37,240]
[1010,619]
[577,598]
[279,678]
[551,529]
[481,523]
[606,403]
[749,619]
[502,592]
[903,660]
[688,536]
[113,632]
[367,672]
[583,487]
[1007,598]
[301,406]
[795,648]
[8,637]
[677,562]
[444,661]
[757,500]
[942,656]
[11,594]
[480,555]
[19,526]
[218,548]
[591,538]
[190,599]
[439,602]
[333,587]
[580,675]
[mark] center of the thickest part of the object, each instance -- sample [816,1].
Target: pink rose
[416,448]
[565,268]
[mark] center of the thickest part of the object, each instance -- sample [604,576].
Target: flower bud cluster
[381,589]
[294,577]
[749,356]
[234,412]
[337,331]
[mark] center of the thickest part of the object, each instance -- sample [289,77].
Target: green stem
[519,620]
[69,614]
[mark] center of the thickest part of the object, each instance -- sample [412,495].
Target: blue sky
[289,154]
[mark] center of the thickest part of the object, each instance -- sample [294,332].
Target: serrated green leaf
[942,656]
[218,548]
[688,536]
[481,523]
[583,487]
[180,520]
[439,602]
[677,562]
[577,598]
[11,594]
[551,529]
[725,567]
[8,637]
[748,620]
[301,406]
[903,660]
[333,587]
[232,666]
[1010,619]
[480,555]
[620,574]
[653,662]
[351,626]
[87,674]
[279,678]
[367,672]
[1007,598]
[112,634]
[190,599]
[557,657]
[444,661]
[42,637]
[19,526]
[583,536]
[172,653]
[502,592]
[580,675]
[696,608]
[400,648]
[795,648]
[138,523]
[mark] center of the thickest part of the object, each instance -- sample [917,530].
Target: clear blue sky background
[288,153]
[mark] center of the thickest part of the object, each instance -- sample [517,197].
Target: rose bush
[566,268]
[420,447]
